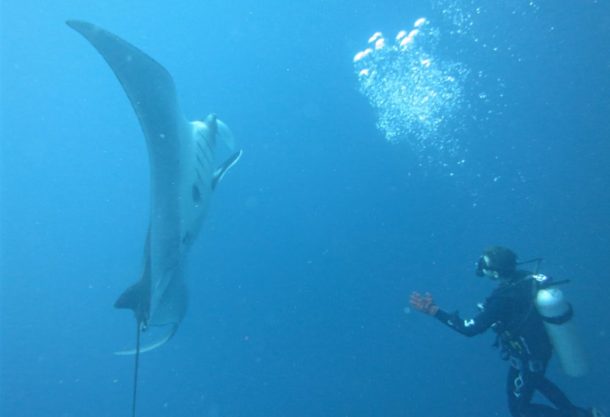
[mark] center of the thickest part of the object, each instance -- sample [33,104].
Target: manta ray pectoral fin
[153,345]
[226,165]
[148,85]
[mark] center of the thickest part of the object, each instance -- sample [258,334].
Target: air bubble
[414,92]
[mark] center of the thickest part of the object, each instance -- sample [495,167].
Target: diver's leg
[521,385]
[554,394]
[557,397]
[519,393]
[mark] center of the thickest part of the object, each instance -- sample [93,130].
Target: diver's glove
[423,303]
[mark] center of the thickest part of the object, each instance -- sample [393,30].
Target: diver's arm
[469,327]
[484,320]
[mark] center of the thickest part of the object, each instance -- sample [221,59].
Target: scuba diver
[511,312]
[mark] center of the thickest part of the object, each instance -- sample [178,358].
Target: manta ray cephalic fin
[226,165]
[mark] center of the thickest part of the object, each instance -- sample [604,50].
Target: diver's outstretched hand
[423,303]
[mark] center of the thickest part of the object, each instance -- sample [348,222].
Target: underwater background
[300,278]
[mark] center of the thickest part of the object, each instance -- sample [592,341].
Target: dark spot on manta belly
[196,194]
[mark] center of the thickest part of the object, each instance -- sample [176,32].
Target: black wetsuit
[521,336]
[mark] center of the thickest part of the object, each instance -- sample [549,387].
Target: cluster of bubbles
[415,94]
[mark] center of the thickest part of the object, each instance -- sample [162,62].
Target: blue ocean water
[300,278]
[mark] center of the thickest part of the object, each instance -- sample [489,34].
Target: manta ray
[183,176]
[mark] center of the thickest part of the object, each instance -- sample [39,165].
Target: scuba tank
[557,315]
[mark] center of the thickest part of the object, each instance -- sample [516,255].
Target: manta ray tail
[135,371]
[137,352]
